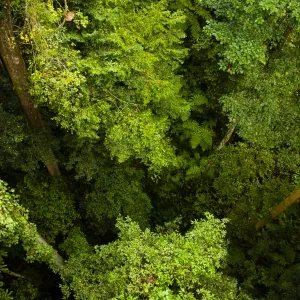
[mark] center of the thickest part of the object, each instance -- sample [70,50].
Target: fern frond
[196,139]
[199,99]
[192,125]
[193,171]
[199,135]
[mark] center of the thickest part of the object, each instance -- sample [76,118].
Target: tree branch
[15,65]
[281,207]
[227,137]
[223,143]
[11,273]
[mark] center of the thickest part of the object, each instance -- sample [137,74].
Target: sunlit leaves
[149,265]
[144,138]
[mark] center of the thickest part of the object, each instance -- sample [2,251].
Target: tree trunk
[56,262]
[14,223]
[14,62]
[227,136]
[222,144]
[281,207]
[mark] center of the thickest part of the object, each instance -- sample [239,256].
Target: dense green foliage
[165,118]
[142,264]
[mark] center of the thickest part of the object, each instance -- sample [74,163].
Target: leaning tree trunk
[14,227]
[281,207]
[15,65]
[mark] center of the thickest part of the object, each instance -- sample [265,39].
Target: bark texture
[15,65]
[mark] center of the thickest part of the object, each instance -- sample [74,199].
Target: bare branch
[11,273]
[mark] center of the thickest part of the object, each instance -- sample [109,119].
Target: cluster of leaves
[116,192]
[38,195]
[163,265]
[133,91]
[259,40]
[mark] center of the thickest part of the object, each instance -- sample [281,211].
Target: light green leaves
[143,264]
[142,135]
[14,227]
[246,31]
[199,135]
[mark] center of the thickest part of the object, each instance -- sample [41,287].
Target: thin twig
[65,13]
[121,99]
[66,5]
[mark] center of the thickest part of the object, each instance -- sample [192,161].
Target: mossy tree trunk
[15,65]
